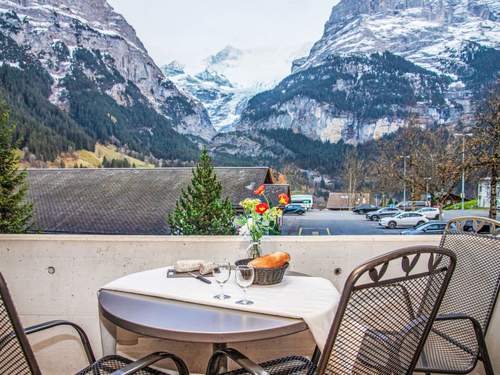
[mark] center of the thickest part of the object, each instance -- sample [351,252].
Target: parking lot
[328,222]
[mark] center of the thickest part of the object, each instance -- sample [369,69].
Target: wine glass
[244,278]
[222,273]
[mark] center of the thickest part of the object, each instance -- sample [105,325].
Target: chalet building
[345,201]
[483,193]
[127,201]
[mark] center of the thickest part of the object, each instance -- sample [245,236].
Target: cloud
[191,30]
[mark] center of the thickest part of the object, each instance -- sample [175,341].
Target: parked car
[405,219]
[364,209]
[294,208]
[432,213]
[432,227]
[411,205]
[383,212]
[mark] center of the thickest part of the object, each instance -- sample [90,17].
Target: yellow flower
[249,204]
[275,212]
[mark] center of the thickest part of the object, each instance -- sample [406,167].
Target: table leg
[223,362]
[108,337]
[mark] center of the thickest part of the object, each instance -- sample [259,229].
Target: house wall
[483,194]
[58,276]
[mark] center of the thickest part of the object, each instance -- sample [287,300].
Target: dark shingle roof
[122,201]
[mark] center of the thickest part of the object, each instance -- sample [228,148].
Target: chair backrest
[385,313]
[16,356]
[475,285]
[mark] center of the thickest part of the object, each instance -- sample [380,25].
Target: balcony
[58,276]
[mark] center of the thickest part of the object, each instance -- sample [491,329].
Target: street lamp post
[463,135]
[427,179]
[404,177]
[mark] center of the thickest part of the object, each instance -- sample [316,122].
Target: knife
[201,278]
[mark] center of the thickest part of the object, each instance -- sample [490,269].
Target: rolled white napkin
[190,265]
[207,267]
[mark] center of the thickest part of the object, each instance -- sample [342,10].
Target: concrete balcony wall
[82,264]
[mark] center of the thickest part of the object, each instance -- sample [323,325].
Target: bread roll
[274,260]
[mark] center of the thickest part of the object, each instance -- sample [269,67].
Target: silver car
[406,219]
[432,213]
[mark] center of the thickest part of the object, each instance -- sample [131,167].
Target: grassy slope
[89,159]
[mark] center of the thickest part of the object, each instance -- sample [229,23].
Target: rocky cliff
[99,72]
[380,62]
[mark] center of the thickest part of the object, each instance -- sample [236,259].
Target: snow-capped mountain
[380,62]
[425,32]
[226,80]
[88,42]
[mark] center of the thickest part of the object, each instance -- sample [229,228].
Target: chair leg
[485,357]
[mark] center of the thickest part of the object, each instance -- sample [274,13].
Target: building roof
[123,201]
[340,200]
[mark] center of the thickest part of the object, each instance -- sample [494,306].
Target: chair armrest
[458,316]
[478,330]
[252,367]
[77,328]
[150,359]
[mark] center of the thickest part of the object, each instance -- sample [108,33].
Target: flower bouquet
[260,218]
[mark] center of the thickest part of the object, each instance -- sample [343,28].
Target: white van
[305,200]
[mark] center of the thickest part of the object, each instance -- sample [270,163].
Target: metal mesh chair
[16,356]
[381,323]
[457,339]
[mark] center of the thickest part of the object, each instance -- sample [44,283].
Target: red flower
[261,208]
[260,190]
[284,199]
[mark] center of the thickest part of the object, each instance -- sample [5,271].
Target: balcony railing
[58,276]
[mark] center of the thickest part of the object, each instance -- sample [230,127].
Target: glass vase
[254,249]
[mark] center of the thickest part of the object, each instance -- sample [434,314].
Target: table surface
[183,321]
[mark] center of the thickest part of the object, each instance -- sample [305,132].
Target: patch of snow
[11,64]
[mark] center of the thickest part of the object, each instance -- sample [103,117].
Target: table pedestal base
[223,362]
[108,337]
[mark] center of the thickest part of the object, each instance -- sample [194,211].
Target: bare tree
[353,174]
[485,144]
[433,162]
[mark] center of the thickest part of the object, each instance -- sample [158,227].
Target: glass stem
[221,290]
[245,295]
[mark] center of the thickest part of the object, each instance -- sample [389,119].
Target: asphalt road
[328,222]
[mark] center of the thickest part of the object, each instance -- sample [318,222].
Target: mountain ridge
[100,76]
[442,51]
[226,80]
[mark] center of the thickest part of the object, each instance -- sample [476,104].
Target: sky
[191,30]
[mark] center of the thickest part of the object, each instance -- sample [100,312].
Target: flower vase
[254,250]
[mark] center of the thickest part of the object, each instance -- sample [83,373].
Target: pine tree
[200,210]
[15,213]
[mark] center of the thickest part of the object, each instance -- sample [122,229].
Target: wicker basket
[265,276]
